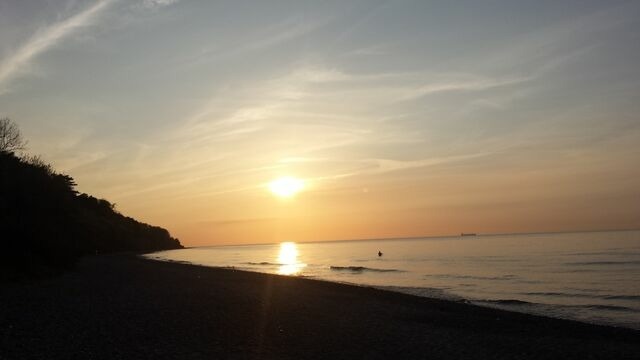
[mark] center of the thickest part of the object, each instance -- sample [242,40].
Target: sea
[591,277]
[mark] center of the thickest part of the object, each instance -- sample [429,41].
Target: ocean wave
[472,277]
[506,302]
[264,263]
[618,252]
[577,271]
[170,260]
[622,297]
[631,262]
[516,302]
[604,307]
[429,292]
[591,296]
[561,294]
[359,269]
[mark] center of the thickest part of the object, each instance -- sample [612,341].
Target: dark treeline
[45,224]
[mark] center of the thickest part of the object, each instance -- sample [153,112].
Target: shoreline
[127,306]
[402,290]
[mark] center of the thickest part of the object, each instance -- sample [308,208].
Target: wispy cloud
[556,45]
[237,221]
[378,49]
[263,39]
[288,30]
[43,40]
[150,4]
[308,102]
[376,167]
[387,165]
[464,82]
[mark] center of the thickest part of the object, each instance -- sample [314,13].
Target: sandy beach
[126,307]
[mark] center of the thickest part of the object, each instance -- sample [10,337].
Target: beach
[590,277]
[128,307]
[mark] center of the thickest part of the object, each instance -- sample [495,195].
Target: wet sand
[126,307]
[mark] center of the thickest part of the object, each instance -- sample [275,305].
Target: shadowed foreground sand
[125,307]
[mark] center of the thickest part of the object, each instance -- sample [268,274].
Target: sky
[403,118]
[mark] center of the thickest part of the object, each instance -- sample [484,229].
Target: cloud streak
[463,83]
[383,166]
[44,40]
[149,4]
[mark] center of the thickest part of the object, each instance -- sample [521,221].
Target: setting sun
[286,186]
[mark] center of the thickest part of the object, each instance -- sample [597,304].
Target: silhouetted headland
[47,225]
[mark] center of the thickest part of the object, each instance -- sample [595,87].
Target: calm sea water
[592,277]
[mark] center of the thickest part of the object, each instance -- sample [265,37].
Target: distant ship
[468,234]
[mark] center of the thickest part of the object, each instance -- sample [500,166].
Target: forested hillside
[46,224]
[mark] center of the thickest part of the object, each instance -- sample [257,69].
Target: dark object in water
[360,269]
[468,234]
[379,253]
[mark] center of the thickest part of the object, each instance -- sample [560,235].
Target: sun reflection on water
[288,259]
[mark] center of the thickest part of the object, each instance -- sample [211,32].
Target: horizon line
[424,237]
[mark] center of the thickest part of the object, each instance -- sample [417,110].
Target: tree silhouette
[46,224]
[10,137]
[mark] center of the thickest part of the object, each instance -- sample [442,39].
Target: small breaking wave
[359,269]
[605,307]
[591,296]
[506,302]
[562,294]
[549,294]
[472,277]
[604,314]
[588,263]
[622,297]
[617,252]
[435,293]
[515,302]
[264,263]
[578,271]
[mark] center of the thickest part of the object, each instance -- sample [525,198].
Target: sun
[286,186]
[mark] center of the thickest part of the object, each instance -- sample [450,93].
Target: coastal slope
[47,225]
[127,307]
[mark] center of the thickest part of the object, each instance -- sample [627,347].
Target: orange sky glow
[388,119]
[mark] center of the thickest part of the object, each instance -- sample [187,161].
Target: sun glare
[288,259]
[286,186]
